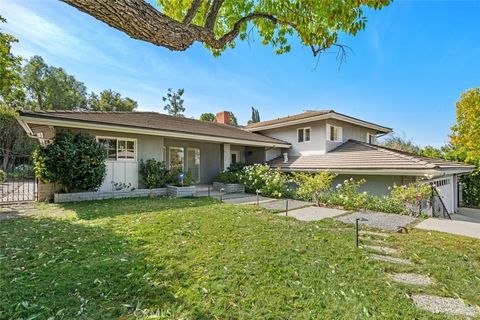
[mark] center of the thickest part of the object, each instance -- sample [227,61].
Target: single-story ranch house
[310,141]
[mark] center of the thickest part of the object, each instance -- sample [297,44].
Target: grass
[200,259]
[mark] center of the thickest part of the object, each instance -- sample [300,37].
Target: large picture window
[176,158]
[118,148]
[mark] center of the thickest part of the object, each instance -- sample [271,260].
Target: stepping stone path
[444,305]
[382,249]
[412,278]
[373,233]
[391,259]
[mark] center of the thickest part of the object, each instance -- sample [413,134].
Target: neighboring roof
[149,121]
[309,116]
[360,156]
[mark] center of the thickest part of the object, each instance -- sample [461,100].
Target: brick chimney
[224,117]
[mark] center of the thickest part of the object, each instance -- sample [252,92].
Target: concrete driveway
[464,223]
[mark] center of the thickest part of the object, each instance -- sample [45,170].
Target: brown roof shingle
[155,121]
[356,155]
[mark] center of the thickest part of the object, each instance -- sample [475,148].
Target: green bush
[312,185]
[268,181]
[23,171]
[3,176]
[154,173]
[173,178]
[76,162]
[233,174]
[411,195]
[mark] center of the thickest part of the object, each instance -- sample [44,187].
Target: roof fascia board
[322,117]
[163,133]
[395,172]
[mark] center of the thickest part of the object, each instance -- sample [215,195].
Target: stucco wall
[318,143]
[375,184]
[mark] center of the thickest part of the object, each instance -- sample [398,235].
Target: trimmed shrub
[3,176]
[268,181]
[411,195]
[76,162]
[154,173]
[312,185]
[173,178]
[233,174]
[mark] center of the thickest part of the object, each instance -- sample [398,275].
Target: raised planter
[180,192]
[85,196]
[229,187]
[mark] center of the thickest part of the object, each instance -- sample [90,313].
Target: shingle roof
[155,121]
[356,155]
[310,114]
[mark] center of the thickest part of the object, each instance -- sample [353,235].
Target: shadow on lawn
[68,270]
[90,210]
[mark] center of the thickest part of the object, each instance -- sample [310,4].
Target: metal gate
[14,190]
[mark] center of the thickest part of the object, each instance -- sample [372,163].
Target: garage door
[445,189]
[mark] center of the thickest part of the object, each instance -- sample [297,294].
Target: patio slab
[378,220]
[280,204]
[462,228]
[313,213]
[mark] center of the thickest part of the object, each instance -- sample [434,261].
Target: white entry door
[192,165]
[446,191]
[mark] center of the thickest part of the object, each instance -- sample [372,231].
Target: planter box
[229,187]
[85,196]
[180,192]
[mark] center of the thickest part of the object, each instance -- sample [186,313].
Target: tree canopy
[109,100]
[207,116]
[176,25]
[174,101]
[466,133]
[255,116]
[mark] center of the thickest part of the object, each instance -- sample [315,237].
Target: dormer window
[303,134]
[334,133]
[370,138]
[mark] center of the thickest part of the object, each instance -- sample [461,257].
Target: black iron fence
[16,190]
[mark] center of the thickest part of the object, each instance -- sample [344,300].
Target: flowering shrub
[261,177]
[233,174]
[347,196]
[312,185]
[411,195]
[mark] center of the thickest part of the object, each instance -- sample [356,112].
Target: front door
[192,165]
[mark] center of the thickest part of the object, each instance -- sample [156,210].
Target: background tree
[233,119]
[466,133]
[51,88]
[394,141]
[109,100]
[207,116]
[217,23]
[11,90]
[174,101]
[255,116]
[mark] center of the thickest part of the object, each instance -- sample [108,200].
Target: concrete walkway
[313,213]
[282,203]
[461,228]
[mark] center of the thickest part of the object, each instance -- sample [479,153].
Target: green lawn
[200,259]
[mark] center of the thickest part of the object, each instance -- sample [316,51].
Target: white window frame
[135,147]
[164,154]
[183,159]
[200,165]
[304,130]
[373,138]
[339,133]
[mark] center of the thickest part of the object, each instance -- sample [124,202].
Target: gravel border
[412,278]
[380,220]
[444,305]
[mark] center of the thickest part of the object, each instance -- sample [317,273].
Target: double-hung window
[303,134]
[334,133]
[118,148]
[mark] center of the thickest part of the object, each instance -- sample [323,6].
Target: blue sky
[408,69]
